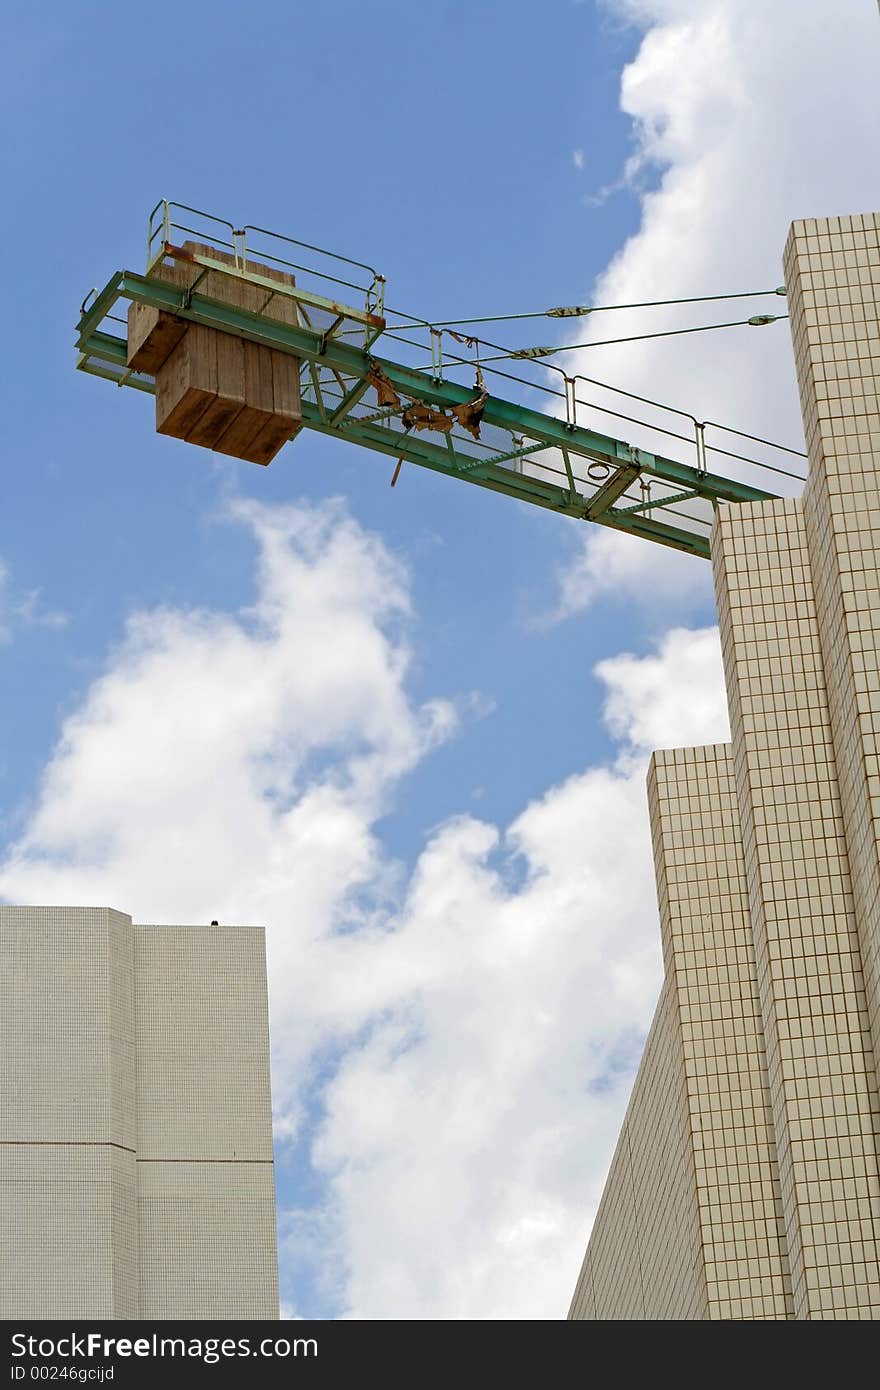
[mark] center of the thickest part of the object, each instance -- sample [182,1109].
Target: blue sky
[490,957]
[442,152]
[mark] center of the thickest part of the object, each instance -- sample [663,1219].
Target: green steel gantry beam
[352,367]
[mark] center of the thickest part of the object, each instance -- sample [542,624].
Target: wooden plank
[286,396]
[214,284]
[238,292]
[153,334]
[224,365]
[238,438]
[258,404]
[186,385]
[258,377]
[281,309]
[270,439]
[260,431]
[152,337]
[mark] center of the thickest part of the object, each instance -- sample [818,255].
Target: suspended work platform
[246,338]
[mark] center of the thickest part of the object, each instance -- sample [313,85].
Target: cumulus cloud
[488,1097]
[233,766]
[644,706]
[453,1045]
[466,1033]
[465,1143]
[203,712]
[606,564]
[731,145]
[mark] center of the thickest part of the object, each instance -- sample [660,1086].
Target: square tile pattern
[136,1174]
[754,1117]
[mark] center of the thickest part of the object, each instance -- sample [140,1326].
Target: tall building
[136,1173]
[745,1184]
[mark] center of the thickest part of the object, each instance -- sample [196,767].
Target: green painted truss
[414,410]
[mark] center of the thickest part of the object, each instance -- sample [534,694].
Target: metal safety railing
[253,245]
[568,400]
[261,246]
[441,396]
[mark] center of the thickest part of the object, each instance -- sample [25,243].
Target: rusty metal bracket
[609,492]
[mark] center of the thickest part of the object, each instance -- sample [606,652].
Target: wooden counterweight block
[272,410]
[219,390]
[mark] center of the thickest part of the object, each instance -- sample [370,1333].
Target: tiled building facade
[746,1182]
[136,1172]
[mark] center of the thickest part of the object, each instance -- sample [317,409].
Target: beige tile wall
[136,1174]
[820,1060]
[68,1227]
[644,1259]
[832,270]
[768,867]
[709,957]
[205,1171]
[207,1240]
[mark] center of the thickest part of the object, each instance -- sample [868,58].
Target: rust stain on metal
[178,253]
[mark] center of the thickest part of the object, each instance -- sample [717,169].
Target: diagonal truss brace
[347,360]
[610,490]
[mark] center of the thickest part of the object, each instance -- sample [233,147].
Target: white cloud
[482,1016]
[465,1143]
[485,1014]
[20,609]
[648,709]
[606,564]
[467,1140]
[231,766]
[577,159]
[746,115]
